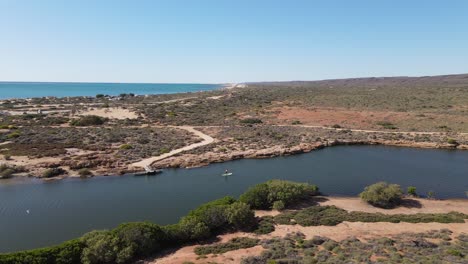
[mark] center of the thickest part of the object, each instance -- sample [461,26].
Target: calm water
[37,89]
[66,209]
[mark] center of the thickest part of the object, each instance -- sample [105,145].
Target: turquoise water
[41,89]
[67,209]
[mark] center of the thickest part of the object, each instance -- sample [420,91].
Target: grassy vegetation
[233,244]
[89,120]
[7,171]
[53,172]
[84,172]
[332,215]
[130,144]
[265,225]
[429,247]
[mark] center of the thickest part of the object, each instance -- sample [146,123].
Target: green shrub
[84,172]
[263,195]
[67,252]
[7,171]
[240,216]
[125,146]
[103,247]
[452,141]
[382,195]
[164,150]
[387,125]
[13,135]
[251,121]
[8,127]
[431,194]
[455,252]
[99,95]
[278,205]
[88,120]
[214,217]
[53,172]
[412,191]
[332,215]
[233,244]
[142,239]
[265,225]
[296,122]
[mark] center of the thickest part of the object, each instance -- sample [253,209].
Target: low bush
[89,120]
[7,171]
[264,195]
[278,205]
[251,121]
[265,225]
[332,215]
[402,248]
[53,172]
[84,172]
[233,244]
[387,125]
[452,141]
[382,195]
[8,126]
[125,146]
[412,191]
[67,252]
[240,216]
[13,135]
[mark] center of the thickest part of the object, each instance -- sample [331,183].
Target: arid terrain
[52,138]
[107,135]
[408,234]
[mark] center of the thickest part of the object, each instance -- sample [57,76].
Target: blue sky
[221,41]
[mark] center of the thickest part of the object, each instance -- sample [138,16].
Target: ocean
[60,89]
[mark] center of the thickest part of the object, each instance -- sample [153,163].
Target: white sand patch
[111,112]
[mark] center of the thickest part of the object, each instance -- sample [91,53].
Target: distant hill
[455,80]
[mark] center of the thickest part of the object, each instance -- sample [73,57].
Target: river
[66,209]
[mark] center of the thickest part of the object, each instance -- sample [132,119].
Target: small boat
[227,174]
[148,172]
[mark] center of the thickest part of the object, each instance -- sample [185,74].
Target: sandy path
[206,140]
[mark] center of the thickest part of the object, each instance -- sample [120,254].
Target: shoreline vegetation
[115,135]
[283,205]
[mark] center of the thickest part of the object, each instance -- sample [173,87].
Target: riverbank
[237,150]
[346,230]
[206,145]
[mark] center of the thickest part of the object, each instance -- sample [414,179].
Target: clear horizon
[218,42]
[358,77]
